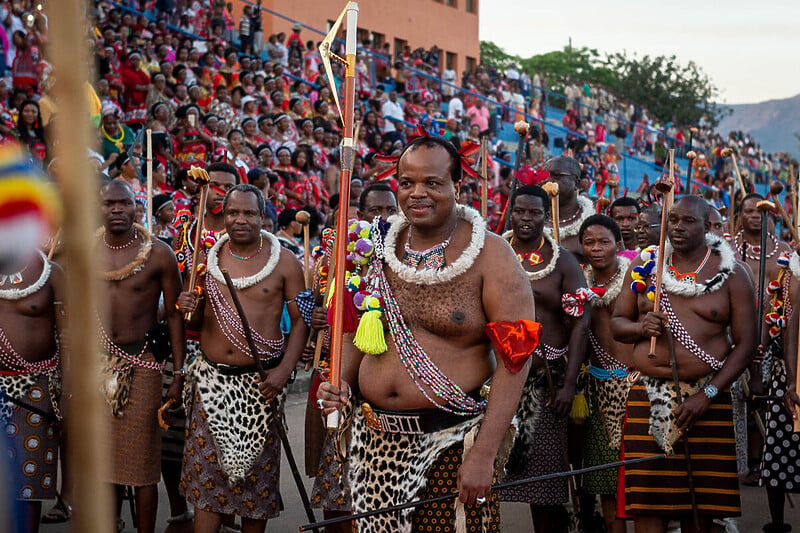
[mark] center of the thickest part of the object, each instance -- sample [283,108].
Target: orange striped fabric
[662,487]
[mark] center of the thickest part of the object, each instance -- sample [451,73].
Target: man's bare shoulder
[496,248]
[288,262]
[162,253]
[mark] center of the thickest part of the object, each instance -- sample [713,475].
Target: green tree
[494,56]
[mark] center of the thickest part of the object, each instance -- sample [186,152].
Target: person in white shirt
[391,111]
[449,76]
[455,108]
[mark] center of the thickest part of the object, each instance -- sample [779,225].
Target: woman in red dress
[136,85]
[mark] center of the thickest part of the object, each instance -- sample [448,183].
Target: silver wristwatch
[711,391]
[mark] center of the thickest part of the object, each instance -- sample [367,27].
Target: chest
[35,305]
[547,293]
[451,309]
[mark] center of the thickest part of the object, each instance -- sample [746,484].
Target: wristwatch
[711,391]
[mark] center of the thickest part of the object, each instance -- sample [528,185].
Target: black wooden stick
[499,486]
[276,415]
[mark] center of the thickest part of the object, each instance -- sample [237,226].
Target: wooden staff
[349,62]
[54,245]
[149,224]
[728,152]
[484,176]
[200,176]
[551,188]
[521,128]
[765,206]
[797,385]
[277,418]
[775,189]
[664,187]
[304,219]
[690,155]
[730,182]
[792,194]
[86,416]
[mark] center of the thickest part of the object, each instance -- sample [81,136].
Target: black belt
[414,422]
[238,370]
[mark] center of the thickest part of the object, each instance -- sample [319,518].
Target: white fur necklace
[585,210]
[690,288]
[449,272]
[613,286]
[794,265]
[551,266]
[247,281]
[18,294]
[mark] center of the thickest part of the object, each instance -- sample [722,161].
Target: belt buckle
[369,415]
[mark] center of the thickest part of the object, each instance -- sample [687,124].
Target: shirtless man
[541,444]
[573,208]
[601,239]
[625,212]
[749,238]
[713,341]
[648,227]
[419,403]
[137,269]
[230,409]
[30,375]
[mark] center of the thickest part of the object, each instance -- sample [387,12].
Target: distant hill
[772,123]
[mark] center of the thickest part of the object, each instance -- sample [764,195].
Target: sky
[749,49]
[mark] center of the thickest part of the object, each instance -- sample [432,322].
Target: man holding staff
[573,208]
[704,341]
[137,269]
[232,453]
[420,426]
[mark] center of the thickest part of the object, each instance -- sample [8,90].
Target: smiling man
[541,444]
[713,340]
[421,426]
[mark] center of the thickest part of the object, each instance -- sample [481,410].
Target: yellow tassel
[369,335]
[580,409]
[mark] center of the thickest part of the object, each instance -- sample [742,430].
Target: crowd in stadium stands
[264,104]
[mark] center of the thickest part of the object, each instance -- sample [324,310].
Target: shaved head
[695,202]
[117,186]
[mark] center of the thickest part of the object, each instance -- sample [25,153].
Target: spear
[346,114]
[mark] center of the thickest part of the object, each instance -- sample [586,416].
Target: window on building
[451,3]
[470,5]
[450,60]
[399,44]
[378,39]
[470,64]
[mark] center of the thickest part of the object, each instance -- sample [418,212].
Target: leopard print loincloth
[17,387]
[389,469]
[238,416]
[661,393]
[116,376]
[610,396]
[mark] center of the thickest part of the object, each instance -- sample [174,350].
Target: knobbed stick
[664,187]
[277,419]
[728,152]
[775,189]
[521,128]
[304,219]
[484,182]
[149,224]
[732,211]
[499,486]
[551,188]
[201,177]
[765,206]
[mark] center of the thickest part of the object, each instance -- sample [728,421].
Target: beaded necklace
[122,246]
[13,279]
[116,142]
[571,226]
[551,266]
[12,360]
[18,294]
[431,259]
[138,262]
[612,287]
[247,281]
[232,329]
[533,257]
[688,276]
[249,257]
[738,240]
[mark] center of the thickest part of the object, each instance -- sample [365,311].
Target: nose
[418,190]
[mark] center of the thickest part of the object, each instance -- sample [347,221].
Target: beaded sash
[608,361]
[545,351]
[683,336]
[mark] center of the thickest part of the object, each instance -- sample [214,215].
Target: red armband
[514,342]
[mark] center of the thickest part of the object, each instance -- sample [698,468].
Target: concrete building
[451,25]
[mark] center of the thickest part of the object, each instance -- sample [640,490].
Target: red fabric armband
[514,342]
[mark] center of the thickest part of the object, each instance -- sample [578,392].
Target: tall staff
[149,224]
[346,114]
[86,416]
[521,128]
[484,176]
[665,189]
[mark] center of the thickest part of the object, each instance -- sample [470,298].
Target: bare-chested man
[573,208]
[232,453]
[607,390]
[541,445]
[648,227]
[137,269]
[625,212]
[713,340]
[30,383]
[419,403]
[747,241]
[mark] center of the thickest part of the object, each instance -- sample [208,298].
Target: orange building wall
[417,22]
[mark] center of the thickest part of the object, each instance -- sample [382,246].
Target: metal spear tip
[726,152]
[765,205]
[522,127]
[551,188]
[776,187]
[663,186]
[303,217]
[691,154]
